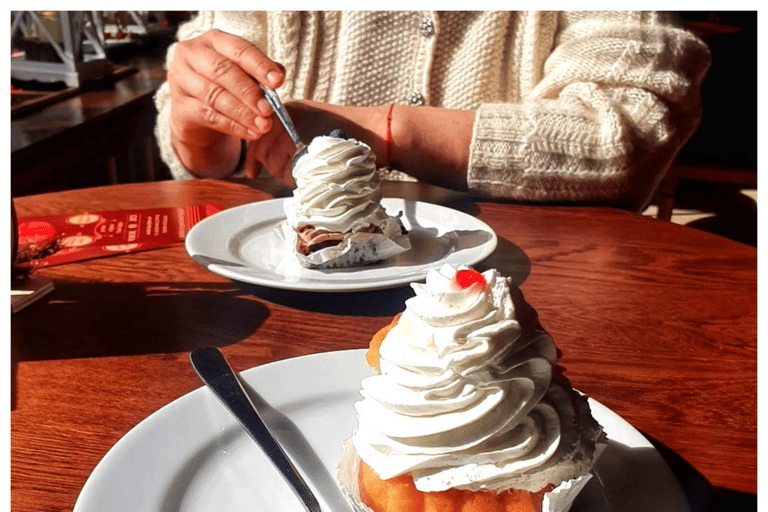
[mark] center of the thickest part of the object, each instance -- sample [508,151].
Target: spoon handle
[282,114]
[213,369]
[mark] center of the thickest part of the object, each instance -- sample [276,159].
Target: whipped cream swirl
[338,188]
[467,397]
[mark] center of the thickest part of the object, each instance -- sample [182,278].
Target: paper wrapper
[558,499]
[355,249]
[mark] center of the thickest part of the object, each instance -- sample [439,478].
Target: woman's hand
[217,101]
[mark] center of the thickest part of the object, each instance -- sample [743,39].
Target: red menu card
[97,234]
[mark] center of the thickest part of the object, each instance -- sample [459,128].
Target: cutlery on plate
[213,369]
[282,114]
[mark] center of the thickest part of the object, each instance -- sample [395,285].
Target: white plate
[243,244]
[192,456]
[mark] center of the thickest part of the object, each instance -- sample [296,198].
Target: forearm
[430,144]
[618,98]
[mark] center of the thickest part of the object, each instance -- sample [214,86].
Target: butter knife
[215,372]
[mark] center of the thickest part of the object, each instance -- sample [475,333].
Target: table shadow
[375,303]
[86,319]
[702,495]
[509,260]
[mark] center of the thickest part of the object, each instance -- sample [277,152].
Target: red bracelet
[388,139]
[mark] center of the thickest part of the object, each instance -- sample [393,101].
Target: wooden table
[656,321]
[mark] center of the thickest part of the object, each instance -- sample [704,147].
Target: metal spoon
[282,114]
[213,369]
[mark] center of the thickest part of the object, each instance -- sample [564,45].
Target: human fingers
[273,152]
[203,72]
[199,103]
[237,66]
[223,72]
[248,57]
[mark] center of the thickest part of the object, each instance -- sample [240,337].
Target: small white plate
[244,244]
[192,455]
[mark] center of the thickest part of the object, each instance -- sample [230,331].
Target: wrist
[432,144]
[388,137]
[376,131]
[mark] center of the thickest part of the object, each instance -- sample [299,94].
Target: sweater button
[427,27]
[416,99]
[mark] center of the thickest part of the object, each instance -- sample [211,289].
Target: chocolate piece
[310,239]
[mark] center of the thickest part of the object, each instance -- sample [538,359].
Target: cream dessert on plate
[468,410]
[335,217]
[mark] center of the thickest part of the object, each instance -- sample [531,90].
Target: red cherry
[468,277]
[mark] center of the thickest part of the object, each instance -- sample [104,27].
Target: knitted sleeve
[250,26]
[619,96]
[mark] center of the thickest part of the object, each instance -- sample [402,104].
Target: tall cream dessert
[335,217]
[468,398]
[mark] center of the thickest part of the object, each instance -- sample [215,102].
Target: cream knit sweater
[570,106]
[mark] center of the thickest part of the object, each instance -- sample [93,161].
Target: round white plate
[193,456]
[244,244]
